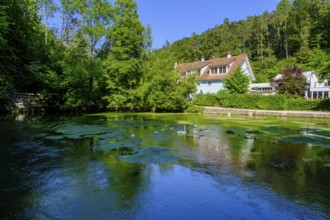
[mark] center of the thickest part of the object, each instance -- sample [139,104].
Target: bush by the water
[194,109]
[315,104]
[205,99]
[252,101]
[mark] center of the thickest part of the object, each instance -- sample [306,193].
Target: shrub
[205,99]
[271,102]
[301,104]
[195,109]
[251,101]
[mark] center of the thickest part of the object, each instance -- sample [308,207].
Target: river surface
[149,166]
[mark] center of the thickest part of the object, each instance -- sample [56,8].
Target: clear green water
[137,166]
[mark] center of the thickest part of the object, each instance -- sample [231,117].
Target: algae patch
[154,155]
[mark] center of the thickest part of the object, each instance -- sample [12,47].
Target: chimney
[228,55]
[203,59]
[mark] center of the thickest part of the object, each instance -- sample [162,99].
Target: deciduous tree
[290,82]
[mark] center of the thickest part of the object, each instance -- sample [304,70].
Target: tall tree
[46,10]
[95,20]
[69,20]
[161,88]
[281,18]
[124,63]
[147,40]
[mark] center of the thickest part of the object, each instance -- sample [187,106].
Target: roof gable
[192,66]
[235,61]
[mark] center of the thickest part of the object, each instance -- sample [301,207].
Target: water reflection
[223,171]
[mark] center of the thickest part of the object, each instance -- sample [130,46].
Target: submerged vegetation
[114,165]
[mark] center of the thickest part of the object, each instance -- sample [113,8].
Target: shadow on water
[138,166]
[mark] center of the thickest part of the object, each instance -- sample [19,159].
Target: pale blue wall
[204,88]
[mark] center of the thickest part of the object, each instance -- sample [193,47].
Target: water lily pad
[131,143]
[113,135]
[56,137]
[298,139]
[249,131]
[81,130]
[154,155]
[315,132]
[276,129]
[73,136]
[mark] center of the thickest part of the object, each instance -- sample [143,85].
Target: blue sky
[174,19]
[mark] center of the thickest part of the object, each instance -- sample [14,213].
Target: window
[222,70]
[218,70]
[189,72]
[214,71]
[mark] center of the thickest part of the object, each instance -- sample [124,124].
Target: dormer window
[218,70]
[190,72]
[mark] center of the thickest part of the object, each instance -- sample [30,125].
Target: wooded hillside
[99,56]
[297,32]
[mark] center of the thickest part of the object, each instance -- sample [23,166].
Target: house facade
[212,73]
[314,88]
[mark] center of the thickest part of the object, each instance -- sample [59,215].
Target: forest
[100,56]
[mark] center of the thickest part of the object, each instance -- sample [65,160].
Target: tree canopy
[290,82]
[99,56]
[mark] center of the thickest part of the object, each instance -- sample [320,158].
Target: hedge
[315,104]
[205,99]
[252,101]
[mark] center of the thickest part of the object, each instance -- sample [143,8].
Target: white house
[211,73]
[314,89]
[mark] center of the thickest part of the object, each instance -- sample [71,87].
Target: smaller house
[314,89]
[212,73]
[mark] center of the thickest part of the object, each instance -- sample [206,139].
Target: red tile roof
[235,61]
[184,67]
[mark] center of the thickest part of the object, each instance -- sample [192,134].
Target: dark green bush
[205,99]
[324,105]
[250,101]
[301,104]
[195,109]
[271,102]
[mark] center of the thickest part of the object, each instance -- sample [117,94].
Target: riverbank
[253,112]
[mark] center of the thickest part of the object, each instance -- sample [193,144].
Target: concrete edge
[252,112]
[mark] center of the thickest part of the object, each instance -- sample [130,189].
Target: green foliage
[102,55]
[205,99]
[237,82]
[194,109]
[124,63]
[293,34]
[250,101]
[302,104]
[271,102]
[319,61]
[162,88]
